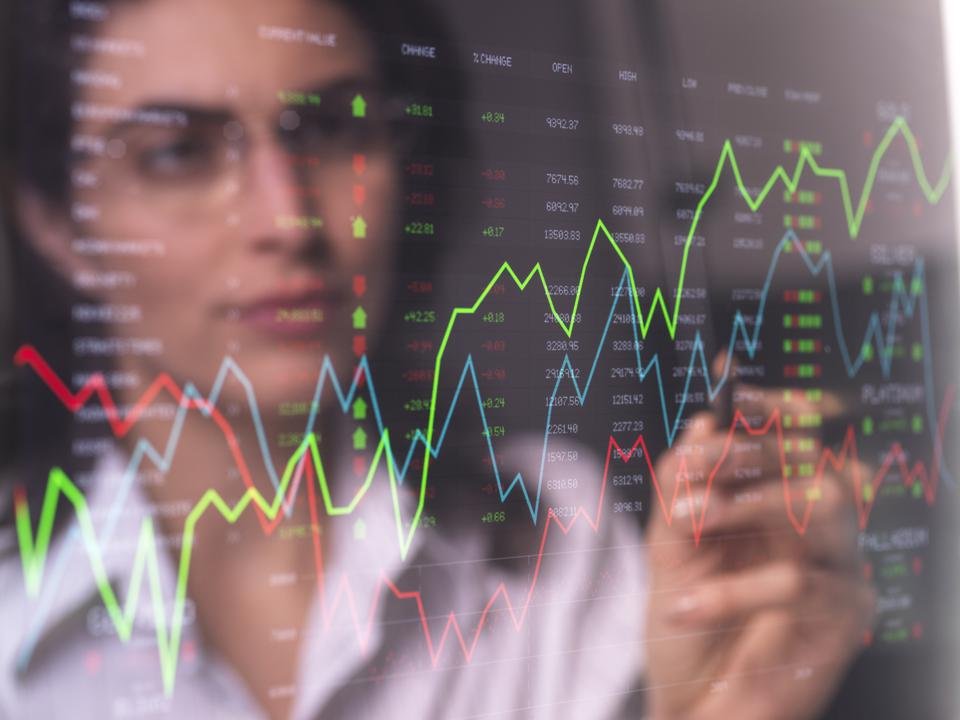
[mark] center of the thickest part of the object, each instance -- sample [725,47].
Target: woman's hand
[756,609]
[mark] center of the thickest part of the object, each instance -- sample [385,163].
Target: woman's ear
[47,228]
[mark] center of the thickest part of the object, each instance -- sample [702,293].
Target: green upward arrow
[358,106]
[359,439]
[359,319]
[359,409]
[359,530]
[359,227]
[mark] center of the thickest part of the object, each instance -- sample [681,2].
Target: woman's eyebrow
[341,86]
[167,115]
[178,114]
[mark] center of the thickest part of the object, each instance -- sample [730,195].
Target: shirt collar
[117,508]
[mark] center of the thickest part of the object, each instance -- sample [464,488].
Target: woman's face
[246,197]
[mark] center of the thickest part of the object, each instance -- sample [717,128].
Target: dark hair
[35,152]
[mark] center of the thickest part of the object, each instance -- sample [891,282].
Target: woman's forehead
[205,53]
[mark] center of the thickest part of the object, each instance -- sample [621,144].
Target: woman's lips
[307,314]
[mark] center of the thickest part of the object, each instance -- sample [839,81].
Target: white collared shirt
[569,643]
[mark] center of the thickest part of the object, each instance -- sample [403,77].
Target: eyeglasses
[189,161]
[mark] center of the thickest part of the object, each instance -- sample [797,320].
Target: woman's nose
[275,211]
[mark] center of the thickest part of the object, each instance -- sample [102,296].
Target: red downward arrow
[359,345]
[359,285]
[359,194]
[359,163]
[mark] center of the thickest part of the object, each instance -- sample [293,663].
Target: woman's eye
[323,125]
[184,156]
[333,132]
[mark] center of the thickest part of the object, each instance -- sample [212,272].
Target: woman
[210,208]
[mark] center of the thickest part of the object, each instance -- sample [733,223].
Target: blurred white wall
[951,20]
[951,17]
